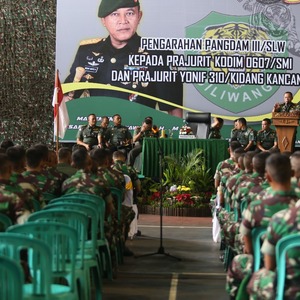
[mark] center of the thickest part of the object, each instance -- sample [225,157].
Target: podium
[286,124]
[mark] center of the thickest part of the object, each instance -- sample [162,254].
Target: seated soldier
[14,201]
[279,196]
[139,134]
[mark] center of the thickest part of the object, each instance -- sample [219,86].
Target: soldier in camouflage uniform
[118,136]
[227,165]
[19,205]
[282,224]
[279,196]
[87,135]
[266,137]
[245,135]
[36,174]
[16,155]
[83,181]
[127,212]
[287,105]
[231,228]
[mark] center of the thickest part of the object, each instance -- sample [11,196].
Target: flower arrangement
[180,196]
[186,183]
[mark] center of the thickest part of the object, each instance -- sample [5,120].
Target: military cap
[108,6]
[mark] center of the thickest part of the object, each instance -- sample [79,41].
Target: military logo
[241,56]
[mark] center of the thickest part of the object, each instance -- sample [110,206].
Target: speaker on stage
[199,123]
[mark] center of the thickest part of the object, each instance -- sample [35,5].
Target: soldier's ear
[140,15]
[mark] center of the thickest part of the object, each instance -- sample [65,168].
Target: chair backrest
[118,195]
[257,234]
[199,123]
[90,197]
[90,212]
[75,219]
[63,242]
[283,245]
[11,279]
[39,255]
[5,222]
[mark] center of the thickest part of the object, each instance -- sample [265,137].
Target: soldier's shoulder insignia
[90,41]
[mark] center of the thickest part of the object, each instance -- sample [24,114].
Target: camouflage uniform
[111,177]
[42,181]
[83,182]
[258,214]
[88,134]
[223,168]
[32,190]
[282,224]
[231,228]
[290,107]
[267,138]
[19,199]
[127,214]
[244,136]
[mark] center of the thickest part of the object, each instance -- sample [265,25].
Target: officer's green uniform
[118,136]
[88,134]
[244,136]
[99,58]
[267,138]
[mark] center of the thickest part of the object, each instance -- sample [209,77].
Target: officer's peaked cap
[108,6]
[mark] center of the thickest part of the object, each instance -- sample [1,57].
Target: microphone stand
[161,249]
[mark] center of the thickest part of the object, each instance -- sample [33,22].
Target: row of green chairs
[45,262]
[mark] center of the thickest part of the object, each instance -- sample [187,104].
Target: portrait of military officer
[97,58]
[87,135]
[266,137]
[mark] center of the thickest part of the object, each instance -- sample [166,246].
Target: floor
[183,264]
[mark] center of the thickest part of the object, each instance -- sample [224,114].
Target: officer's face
[122,24]
[288,98]
[117,120]
[92,120]
[265,125]
[105,123]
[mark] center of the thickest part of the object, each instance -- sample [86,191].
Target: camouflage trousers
[232,237]
[261,285]
[240,267]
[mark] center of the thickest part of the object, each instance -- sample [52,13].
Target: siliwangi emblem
[244,59]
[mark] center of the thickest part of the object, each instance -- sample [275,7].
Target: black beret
[108,6]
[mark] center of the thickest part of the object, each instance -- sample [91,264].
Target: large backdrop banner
[231,58]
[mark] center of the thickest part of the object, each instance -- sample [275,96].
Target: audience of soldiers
[261,190]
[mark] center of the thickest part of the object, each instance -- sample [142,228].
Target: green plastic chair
[11,279]
[92,262]
[39,256]
[5,222]
[118,195]
[80,222]
[36,205]
[63,242]
[257,234]
[103,245]
[283,245]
